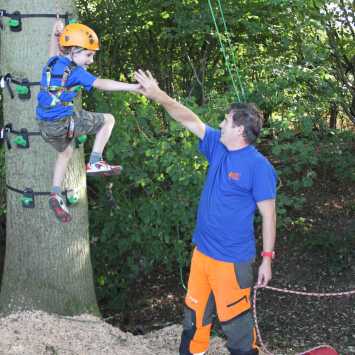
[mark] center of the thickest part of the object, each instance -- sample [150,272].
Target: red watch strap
[270,254]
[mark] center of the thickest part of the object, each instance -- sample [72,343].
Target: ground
[42,334]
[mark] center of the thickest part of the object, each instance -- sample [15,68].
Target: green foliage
[303,156]
[163,175]
[337,156]
[339,248]
[157,195]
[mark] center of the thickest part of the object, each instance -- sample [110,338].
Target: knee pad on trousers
[240,332]
[241,352]
[186,338]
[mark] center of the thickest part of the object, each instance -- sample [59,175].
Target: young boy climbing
[72,50]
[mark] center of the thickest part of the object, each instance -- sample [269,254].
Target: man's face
[84,58]
[230,133]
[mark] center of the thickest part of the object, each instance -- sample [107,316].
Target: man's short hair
[249,116]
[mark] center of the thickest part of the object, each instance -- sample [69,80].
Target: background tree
[47,264]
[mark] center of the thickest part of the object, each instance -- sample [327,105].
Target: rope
[230,47]
[57,9]
[224,50]
[310,294]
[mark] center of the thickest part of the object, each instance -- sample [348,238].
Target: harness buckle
[71,128]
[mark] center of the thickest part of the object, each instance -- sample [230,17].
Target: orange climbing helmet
[79,35]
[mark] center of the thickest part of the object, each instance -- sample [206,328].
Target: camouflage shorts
[56,132]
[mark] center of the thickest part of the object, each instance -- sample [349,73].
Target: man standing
[239,180]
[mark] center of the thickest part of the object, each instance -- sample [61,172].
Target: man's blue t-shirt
[236,180]
[78,76]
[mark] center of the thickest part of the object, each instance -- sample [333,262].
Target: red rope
[310,294]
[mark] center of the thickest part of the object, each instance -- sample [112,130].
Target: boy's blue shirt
[78,76]
[235,182]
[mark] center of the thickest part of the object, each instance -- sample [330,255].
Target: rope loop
[293,292]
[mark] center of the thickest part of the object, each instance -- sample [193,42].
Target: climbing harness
[28,196]
[235,82]
[22,86]
[310,294]
[54,91]
[15,18]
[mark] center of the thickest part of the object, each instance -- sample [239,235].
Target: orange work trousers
[224,288]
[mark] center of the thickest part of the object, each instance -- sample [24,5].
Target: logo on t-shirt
[233,175]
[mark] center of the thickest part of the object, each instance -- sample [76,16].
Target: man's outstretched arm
[180,113]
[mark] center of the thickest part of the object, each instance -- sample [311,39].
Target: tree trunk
[47,264]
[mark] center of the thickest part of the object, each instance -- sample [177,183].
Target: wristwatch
[270,254]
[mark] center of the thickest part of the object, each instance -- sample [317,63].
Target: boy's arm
[267,210]
[54,48]
[112,85]
[179,112]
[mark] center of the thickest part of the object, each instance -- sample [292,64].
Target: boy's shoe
[102,168]
[57,204]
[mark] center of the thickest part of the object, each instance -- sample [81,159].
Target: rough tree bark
[47,264]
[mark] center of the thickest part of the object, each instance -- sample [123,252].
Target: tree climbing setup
[23,91]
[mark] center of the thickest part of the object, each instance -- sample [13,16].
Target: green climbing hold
[72,20]
[26,201]
[72,197]
[22,90]
[13,23]
[72,200]
[19,140]
[82,139]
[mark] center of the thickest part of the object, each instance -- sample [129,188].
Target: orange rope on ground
[310,294]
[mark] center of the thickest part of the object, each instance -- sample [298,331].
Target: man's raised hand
[149,86]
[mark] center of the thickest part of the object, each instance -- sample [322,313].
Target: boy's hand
[148,85]
[54,47]
[58,28]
